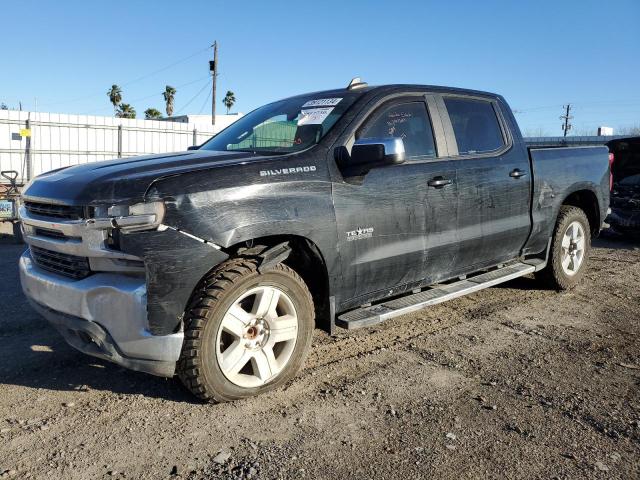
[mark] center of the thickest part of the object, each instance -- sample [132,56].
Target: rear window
[475,125]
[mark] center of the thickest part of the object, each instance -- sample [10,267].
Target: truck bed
[554,181]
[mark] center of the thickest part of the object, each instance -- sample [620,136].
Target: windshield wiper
[257,152]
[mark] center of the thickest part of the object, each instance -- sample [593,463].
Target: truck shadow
[524,283]
[615,241]
[34,355]
[607,240]
[59,367]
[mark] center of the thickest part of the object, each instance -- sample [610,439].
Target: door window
[475,125]
[408,121]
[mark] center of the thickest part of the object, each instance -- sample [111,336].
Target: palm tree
[152,113]
[115,96]
[169,94]
[228,100]
[126,111]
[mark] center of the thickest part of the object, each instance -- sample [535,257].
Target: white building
[204,121]
[33,143]
[605,131]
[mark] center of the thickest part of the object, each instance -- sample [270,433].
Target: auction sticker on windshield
[322,102]
[313,116]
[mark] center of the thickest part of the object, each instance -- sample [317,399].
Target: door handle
[517,173]
[439,182]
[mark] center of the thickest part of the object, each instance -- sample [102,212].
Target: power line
[194,97]
[566,126]
[206,100]
[176,87]
[531,109]
[167,67]
[213,66]
[604,103]
[152,95]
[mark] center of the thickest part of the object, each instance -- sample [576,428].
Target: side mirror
[368,153]
[193,147]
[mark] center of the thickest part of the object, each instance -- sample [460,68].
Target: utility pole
[566,126]
[213,67]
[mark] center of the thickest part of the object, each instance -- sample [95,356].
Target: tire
[555,274]
[221,332]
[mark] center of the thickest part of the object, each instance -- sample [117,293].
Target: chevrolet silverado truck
[340,208]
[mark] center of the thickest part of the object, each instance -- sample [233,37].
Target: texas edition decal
[359,234]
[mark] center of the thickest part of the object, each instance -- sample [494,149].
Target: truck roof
[390,88]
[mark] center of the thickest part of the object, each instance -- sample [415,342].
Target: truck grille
[44,232]
[61,263]
[56,211]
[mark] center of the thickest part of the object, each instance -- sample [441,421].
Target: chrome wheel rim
[573,248]
[257,336]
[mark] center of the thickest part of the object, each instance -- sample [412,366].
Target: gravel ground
[511,382]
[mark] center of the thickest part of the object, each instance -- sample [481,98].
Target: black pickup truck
[340,208]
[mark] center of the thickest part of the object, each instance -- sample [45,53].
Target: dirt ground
[511,382]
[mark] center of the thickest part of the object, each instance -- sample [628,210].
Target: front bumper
[104,315]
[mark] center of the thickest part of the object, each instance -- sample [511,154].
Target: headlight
[141,216]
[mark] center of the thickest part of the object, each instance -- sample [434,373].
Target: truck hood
[124,180]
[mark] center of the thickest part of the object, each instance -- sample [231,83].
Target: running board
[367,316]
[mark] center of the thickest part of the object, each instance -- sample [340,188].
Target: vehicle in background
[625,196]
[341,208]
[9,198]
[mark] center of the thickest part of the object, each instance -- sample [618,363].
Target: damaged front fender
[174,262]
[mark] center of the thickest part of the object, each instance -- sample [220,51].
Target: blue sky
[539,55]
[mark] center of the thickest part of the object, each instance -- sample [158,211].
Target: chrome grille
[61,241]
[45,232]
[61,263]
[57,211]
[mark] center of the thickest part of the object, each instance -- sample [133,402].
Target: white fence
[59,140]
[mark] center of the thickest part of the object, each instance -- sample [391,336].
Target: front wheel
[245,332]
[570,249]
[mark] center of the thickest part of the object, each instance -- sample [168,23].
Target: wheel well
[306,259]
[587,201]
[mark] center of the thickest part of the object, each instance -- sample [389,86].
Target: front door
[385,219]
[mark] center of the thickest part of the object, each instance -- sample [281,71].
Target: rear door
[388,219]
[494,182]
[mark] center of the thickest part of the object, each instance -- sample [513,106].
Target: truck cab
[462,190]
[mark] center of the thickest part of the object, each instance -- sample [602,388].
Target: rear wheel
[245,332]
[570,249]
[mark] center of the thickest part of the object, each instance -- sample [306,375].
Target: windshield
[285,126]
